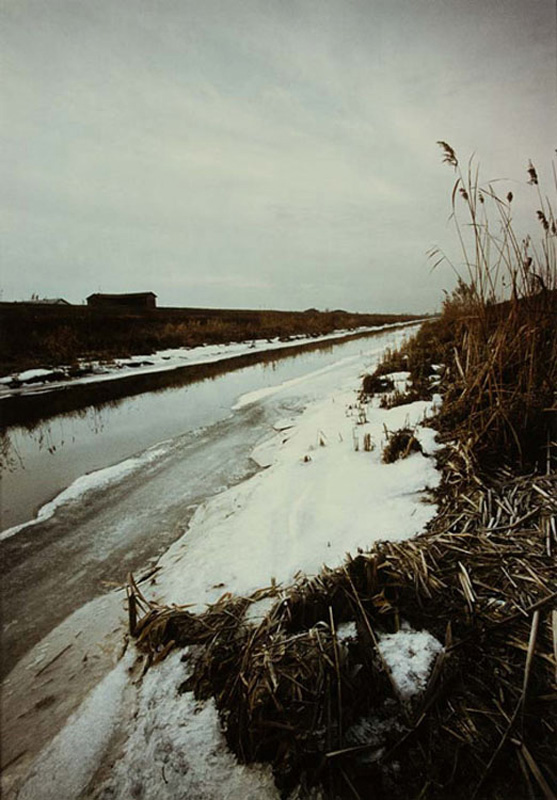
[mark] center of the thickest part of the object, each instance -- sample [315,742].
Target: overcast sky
[251,153]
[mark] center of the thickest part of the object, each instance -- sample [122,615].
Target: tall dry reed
[501,397]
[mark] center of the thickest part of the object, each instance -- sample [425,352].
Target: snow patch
[403,375]
[33,374]
[427,437]
[257,611]
[375,731]
[346,631]
[67,764]
[409,655]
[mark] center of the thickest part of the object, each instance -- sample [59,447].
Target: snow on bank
[321,495]
[318,500]
[68,763]
[33,375]
[92,481]
[46,380]
[176,749]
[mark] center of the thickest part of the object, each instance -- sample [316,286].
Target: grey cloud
[221,152]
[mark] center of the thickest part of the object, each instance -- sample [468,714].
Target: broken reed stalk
[375,644]
[547,791]
[554,628]
[337,668]
[519,706]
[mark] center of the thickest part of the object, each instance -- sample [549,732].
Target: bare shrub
[374,384]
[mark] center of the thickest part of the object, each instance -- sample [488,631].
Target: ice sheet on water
[89,482]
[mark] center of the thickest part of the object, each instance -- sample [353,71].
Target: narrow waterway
[152,460]
[40,461]
[159,456]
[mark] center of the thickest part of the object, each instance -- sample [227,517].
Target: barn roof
[124,294]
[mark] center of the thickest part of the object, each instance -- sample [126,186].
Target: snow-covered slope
[321,495]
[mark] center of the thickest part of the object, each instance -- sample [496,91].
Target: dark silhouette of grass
[34,335]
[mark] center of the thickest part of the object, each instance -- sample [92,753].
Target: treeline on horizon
[36,335]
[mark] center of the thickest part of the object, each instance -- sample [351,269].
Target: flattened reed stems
[289,690]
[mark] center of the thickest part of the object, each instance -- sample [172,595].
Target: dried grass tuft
[400,444]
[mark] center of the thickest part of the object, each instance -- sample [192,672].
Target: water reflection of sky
[44,458]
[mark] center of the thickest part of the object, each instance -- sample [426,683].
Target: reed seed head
[449,155]
[543,219]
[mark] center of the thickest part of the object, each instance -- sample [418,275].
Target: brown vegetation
[400,444]
[481,579]
[35,335]
[497,335]
[498,331]
[288,691]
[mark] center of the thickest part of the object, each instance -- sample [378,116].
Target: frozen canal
[223,486]
[120,417]
[157,456]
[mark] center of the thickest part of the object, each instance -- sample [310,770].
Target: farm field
[35,335]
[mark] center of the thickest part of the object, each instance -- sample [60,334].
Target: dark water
[45,457]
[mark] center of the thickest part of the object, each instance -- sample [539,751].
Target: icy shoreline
[90,481]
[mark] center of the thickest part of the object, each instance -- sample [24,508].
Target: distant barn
[132,300]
